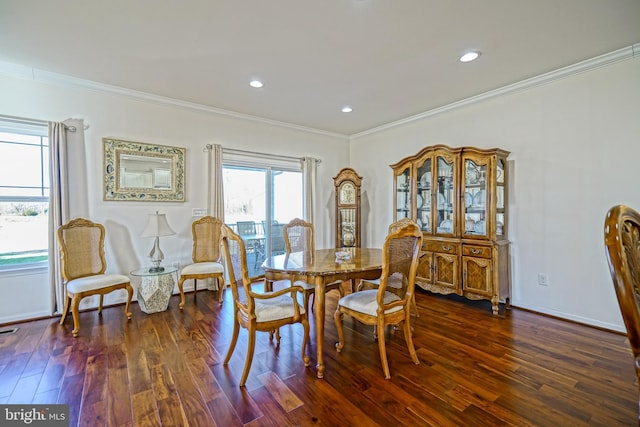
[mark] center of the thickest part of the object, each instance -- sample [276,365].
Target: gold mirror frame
[115,154]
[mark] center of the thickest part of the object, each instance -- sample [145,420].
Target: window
[259,192]
[24,194]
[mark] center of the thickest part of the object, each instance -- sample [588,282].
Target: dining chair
[83,262]
[380,307]
[277,239]
[299,236]
[622,243]
[394,284]
[254,245]
[256,311]
[206,257]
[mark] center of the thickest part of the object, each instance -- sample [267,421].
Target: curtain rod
[208,147]
[25,121]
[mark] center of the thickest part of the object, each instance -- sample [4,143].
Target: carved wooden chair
[206,256]
[83,268]
[394,284]
[380,307]
[622,242]
[255,246]
[299,236]
[258,311]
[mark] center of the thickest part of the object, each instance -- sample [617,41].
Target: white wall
[137,120]
[575,145]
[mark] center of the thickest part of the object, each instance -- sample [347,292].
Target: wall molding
[629,52]
[42,76]
[24,72]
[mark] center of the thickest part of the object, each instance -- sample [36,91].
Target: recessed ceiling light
[469,56]
[256,83]
[347,109]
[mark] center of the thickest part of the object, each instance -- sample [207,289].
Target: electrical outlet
[199,212]
[543,279]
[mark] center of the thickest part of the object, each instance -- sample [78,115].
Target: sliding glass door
[258,201]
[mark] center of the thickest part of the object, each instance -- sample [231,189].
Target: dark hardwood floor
[515,369]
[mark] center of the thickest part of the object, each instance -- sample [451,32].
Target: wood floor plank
[164,369]
[280,392]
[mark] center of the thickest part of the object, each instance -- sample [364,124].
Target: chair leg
[383,350]
[75,304]
[306,296]
[409,339]
[249,358]
[220,289]
[232,344]
[67,301]
[100,306]
[338,319]
[180,288]
[414,306]
[305,340]
[129,297]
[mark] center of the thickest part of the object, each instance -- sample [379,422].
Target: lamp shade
[157,226]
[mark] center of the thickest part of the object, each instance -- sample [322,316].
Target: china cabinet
[458,197]
[347,192]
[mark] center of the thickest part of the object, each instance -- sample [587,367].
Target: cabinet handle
[476,251]
[446,248]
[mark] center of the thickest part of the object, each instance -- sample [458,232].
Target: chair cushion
[394,281]
[275,308]
[310,286]
[366,302]
[203,268]
[304,285]
[98,281]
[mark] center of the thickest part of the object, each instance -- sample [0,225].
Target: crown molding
[34,74]
[28,73]
[629,52]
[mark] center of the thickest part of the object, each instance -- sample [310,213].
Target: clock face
[347,194]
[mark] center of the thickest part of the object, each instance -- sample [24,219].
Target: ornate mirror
[143,172]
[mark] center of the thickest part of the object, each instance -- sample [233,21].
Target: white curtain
[309,178]
[58,208]
[216,194]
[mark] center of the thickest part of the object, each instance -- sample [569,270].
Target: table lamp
[157,226]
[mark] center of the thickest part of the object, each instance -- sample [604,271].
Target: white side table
[156,288]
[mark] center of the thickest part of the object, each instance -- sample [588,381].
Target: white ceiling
[388,59]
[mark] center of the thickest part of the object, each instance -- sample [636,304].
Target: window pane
[24,175]
[22,168]
[287,196]
[23,232]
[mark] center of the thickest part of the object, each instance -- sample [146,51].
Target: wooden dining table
[321,268]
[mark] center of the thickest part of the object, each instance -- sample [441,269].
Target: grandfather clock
[347,184]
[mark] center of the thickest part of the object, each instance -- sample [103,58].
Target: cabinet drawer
[446,248]
[476,251]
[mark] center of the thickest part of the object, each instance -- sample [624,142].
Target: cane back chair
[206,256]
[380,307]
[83,268]
[299,236]
[255,311]
[622,243]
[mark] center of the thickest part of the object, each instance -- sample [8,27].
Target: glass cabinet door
[348,227]
[500,197]
[475,198]
[423,197]
[403,193]
[444,196]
